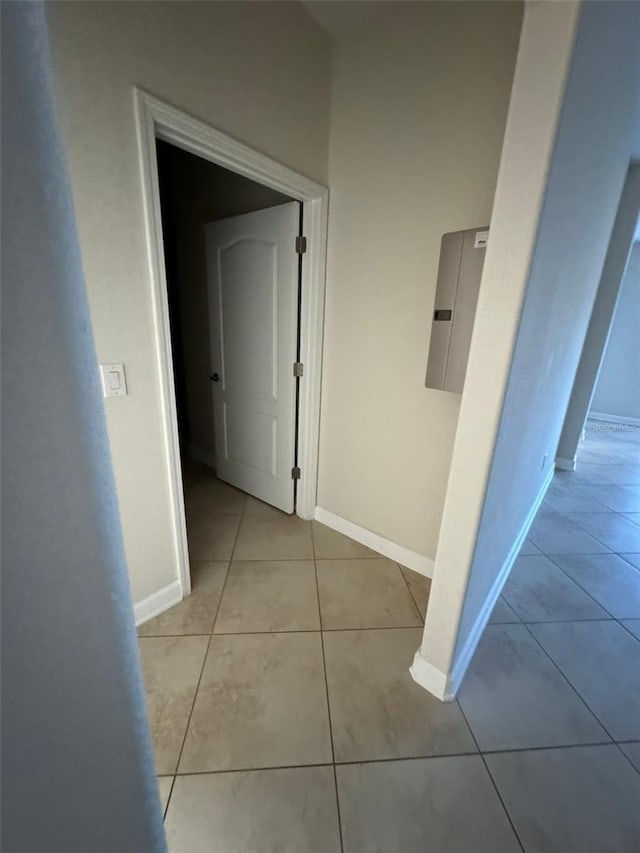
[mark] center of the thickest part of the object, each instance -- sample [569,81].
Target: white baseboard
[445,685]
[613,419]
[158,602]
[563,464]
[431,678]
[202,456]
[410,559]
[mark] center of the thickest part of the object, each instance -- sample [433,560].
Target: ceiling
[344,18]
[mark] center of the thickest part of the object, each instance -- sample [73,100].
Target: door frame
[156,119]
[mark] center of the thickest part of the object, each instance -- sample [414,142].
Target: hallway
[284,717]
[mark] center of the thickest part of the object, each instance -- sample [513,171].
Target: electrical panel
[459,273]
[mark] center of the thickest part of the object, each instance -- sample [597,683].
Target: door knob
[214,377]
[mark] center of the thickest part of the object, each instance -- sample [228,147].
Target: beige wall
[601,321]
[258,71]
[418,111]
[419,106]
[549,238]
[618,389]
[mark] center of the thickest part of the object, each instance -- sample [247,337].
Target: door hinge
[295,473]
[298,368]
[301,245]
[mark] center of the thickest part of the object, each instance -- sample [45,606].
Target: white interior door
[252,269]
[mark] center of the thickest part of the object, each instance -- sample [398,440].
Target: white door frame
[158,120]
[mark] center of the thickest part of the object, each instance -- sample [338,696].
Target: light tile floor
[284,717]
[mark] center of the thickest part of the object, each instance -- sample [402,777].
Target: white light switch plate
[114,380]
[481,240]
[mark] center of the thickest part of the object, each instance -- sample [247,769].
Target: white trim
[158,602]
[443,685]
[153,221]
[431,678]
[409,559]
[203,456]
[158,120]
[563,464]
[613,419]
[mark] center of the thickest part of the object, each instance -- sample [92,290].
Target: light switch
[481,240]
[114,381]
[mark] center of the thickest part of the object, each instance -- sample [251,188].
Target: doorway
[233,287]
[160,124]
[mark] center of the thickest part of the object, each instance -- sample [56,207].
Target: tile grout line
[174,775]
[586,592]
[166,807]
[606,610]
[509,750]
[623,556]
[193,702]
[486,767]
[204,661]
[637,769]
[561,621]
[580,486]
[628,630]
[577,527]
[606,508]
[580,622]
[575,690]
[398,759]
[553,559]
[293,559]
[322,630]
[326,687]
[612,618]
[309,630]
[582,529]
[423,618]
[393,759]
[266,769]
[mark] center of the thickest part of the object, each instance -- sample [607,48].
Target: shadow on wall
[617,393]
[77,762]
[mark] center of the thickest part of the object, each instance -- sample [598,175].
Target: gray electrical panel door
[459,273]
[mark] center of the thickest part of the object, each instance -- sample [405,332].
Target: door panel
[251,438]
[252,272]
[249,295]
